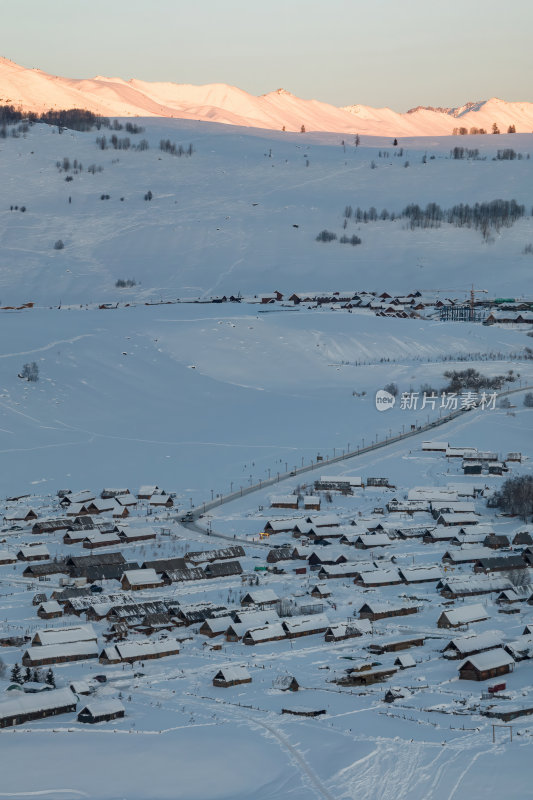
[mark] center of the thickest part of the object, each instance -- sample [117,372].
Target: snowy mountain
[35,90]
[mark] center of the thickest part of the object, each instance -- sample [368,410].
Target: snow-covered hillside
[35,90]
[243,212]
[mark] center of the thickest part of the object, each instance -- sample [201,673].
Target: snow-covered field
[223,220]
[203,399]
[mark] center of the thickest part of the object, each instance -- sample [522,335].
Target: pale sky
[396,53]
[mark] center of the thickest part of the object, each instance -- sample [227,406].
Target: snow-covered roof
[459,519]
[454,506]
[479,641]
[373,539]
[138,649]
[460,555]
[284,524]
[35,550]
[405,660]
[301,624]
[521,647]
[141,577]
[78,633]
[425,573]
[343,569]
[467,613]
[219,624]
[126,499]
[324,521]
[266,632]
[233,673]
[380,577]
[50,607]
[491,659]
[101,706]
[360,626]
[473,584]
[284,499]
[352,480]
[258,596]
[20,703]
[67,650]
[97,537]
[255,618]
[19,514]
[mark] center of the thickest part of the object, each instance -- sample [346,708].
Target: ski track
[47,347]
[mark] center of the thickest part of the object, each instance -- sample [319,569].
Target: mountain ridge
[35,90]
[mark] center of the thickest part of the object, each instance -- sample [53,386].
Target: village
[416,597]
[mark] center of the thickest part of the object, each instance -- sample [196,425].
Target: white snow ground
[198,397]
[223,220]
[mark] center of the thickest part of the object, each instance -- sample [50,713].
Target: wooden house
[366,677]
[136,535]
[59,653]
[97,539]
[165,564]
[392,646]
[274,526]
[404,661]
[487,665]
[33,552]
[499,564]
[523,538]
[286,683]
[161,501]
[51,525]
[146,492]
[339,483]
[378,577]
[462,615]
[425,574]
[279,554]
[312,502]
[55,636]
[223,554]
[131,651]
[321,590]
[284,501]
[22,707]
[103,710]
[50,610]
[305,626]
[265,633]
[20,515]
[135,580]
[496,541]
[44,570]
[215,626]
[331,571]
[231,676]
[374,611]
[259,597]
[366,541]
[471,645]
[170,576]
[223,569]
[7,558]
[347,630]
[471,585]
